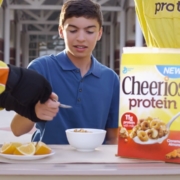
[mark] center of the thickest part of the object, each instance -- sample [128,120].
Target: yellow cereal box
[149,111]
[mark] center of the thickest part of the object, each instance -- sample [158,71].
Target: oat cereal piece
[133,134]
[136,128]
[155,124]
[145,125]
[160,133]
[142,135]
[80,130]
[149,119]
[141,120]
[123,132]
[152,133]
[166,132]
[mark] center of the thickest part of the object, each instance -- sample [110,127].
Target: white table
[90,166]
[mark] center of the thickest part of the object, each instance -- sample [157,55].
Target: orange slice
[42,148]
[8,148]
[16,144]
[25,149]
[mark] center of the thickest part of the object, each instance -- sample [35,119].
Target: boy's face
[80,36]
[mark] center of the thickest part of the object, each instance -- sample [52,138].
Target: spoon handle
[172,120]
[65,106]
[62,105]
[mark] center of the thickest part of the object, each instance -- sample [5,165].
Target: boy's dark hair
[81,8]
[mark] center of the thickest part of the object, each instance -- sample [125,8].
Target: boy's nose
[81,36]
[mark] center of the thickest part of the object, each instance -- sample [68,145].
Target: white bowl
[85,141]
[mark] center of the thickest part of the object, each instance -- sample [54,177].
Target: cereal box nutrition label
[149,111]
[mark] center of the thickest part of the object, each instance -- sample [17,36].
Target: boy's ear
[61,32]
[100,33]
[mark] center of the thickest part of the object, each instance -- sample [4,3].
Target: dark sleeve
[8,102]
[14,76]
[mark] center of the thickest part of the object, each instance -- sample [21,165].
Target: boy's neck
[83,63]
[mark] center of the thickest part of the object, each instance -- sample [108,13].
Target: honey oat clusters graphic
[173,154]
[123,132]
[149,128]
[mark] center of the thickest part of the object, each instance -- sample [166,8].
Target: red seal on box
[129,120]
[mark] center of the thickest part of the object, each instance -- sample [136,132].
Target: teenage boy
[21,89]
[78,79]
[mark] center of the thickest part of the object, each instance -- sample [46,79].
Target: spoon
[159,140]
[62,105]
[65,106]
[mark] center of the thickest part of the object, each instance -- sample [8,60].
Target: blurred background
[29,29]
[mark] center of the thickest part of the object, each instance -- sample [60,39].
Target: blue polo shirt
[94,98]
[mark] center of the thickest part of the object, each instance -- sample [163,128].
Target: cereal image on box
[149,129]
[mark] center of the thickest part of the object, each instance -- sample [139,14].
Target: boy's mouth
[80,47]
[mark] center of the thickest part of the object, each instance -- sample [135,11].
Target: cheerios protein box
[149,111]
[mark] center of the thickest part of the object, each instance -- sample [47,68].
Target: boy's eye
[73,31]
[90,32]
